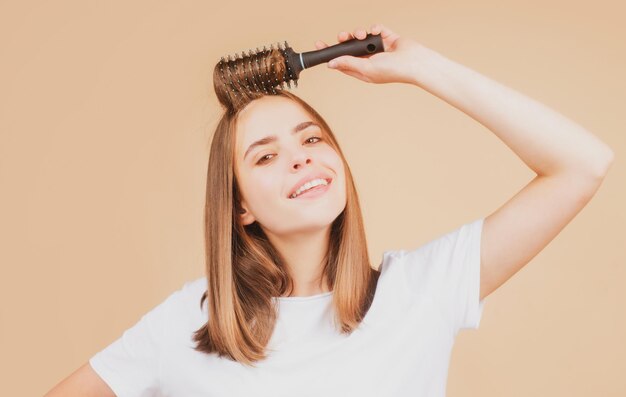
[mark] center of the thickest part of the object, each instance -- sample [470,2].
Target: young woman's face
[269,173]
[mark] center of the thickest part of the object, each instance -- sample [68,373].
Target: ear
[245,215]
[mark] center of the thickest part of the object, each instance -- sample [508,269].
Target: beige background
[106,114]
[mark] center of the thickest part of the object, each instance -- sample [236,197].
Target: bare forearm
[545,140]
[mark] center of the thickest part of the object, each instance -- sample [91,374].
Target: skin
[298,228]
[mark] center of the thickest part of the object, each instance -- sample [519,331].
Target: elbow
[602,169]
[598,166]
[592,174]
[592,164]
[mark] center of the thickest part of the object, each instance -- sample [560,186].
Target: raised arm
[569,161]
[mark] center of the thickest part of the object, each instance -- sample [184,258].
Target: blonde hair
[243,269]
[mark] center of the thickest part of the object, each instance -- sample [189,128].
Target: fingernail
[332,64]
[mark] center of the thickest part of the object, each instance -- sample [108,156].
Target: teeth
[308,185]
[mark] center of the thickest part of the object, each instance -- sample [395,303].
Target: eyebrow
[273,138]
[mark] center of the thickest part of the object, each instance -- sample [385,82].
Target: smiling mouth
[328,180]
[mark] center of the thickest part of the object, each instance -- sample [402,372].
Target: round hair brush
[241,78]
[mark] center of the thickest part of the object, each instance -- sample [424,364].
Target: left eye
[315,137]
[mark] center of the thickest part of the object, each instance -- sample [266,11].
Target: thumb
[348,62]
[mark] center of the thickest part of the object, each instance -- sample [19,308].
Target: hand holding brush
[391,66]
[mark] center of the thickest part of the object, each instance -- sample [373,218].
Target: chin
[323,217]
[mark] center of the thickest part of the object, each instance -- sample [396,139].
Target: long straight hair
[244,270]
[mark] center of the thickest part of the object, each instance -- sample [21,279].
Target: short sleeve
[448,269]
[130,365]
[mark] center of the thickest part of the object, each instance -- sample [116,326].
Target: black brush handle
[371,44]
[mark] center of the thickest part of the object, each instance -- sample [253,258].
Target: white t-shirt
[402,347]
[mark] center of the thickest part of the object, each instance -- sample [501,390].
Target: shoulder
[187,298]
[416,267]
[442,246]
[180,305]
[195,287]
[181,312]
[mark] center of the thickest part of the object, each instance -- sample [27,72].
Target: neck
[304,255]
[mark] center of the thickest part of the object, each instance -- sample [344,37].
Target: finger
[375,29]
[360,33]
[383,30]
[320,44]
[343,36]
[353,66]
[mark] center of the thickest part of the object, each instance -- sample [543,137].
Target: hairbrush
[265,71]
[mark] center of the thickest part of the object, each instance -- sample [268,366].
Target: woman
[290,304]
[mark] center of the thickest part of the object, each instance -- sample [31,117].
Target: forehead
[269,115]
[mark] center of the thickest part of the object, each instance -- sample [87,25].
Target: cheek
[267,186]
[260,186]
[334,161]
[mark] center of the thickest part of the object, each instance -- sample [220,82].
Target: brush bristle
[240,79]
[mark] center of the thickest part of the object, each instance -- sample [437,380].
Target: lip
[308,179]
[313,193]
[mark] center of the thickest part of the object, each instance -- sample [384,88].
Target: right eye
[263,159]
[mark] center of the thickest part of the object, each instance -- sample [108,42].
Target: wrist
[423,64]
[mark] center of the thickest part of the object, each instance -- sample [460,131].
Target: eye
[315,137]
[264,158]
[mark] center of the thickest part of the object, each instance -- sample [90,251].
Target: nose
[300,158]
